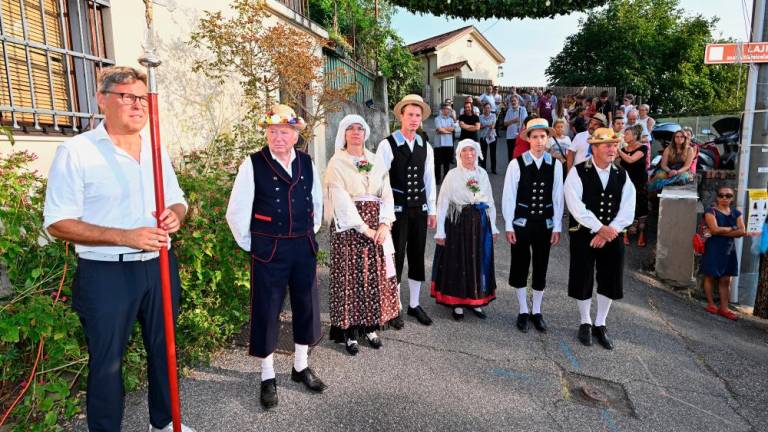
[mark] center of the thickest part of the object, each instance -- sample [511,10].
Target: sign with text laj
[752,52]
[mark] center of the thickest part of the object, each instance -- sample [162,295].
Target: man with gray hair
[100,197]
[632,119]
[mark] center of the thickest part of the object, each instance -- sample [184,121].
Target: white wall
[483,65]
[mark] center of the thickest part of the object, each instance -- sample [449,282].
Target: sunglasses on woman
[729,196]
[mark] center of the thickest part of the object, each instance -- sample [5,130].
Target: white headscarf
[468,143]
[346,122]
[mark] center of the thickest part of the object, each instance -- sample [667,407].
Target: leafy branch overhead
[503,9]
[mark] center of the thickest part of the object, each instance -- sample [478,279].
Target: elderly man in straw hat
[274,212]
[410,161]
[601,199]
[532,205]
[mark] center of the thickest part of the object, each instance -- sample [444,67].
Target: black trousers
[532,247]
[510,149]
[607,262]
[489,150]
[291,268]
[109,297]
[443,156]
[409,234]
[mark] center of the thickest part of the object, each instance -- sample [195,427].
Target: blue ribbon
[486,245]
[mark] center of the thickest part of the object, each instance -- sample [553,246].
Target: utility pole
[753,158]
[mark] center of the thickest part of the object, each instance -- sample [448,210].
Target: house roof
[453,67]
[436,42]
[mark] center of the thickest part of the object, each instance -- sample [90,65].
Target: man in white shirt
[410,161]
[100,197]
[444,125]
[579,150]
[532,205]
[513,121]
[274,211]
[488,98]
[601,200]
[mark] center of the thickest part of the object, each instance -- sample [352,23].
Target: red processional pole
[151,61]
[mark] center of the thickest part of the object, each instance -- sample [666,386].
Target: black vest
[406,173]
[534,190]
[604,203]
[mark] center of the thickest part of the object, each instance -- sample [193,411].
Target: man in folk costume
[601,200]
[532,205]
[410,161]
[274,212]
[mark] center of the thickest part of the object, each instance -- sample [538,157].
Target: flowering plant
[473,185]
[363,166]
[272,118]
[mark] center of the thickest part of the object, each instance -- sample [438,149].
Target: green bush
[213,270]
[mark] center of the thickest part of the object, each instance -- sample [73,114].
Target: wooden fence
[475,87]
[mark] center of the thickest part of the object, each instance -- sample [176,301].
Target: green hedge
[215,291]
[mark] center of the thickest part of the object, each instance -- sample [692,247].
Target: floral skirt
[662,178]
[361,296]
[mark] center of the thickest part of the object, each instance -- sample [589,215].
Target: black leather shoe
[601,333]
[269,393]
[523,322]
[480,313]
[308,377]
[420,315]
[457,316]
[585,334]
[374,342]
[351,348]
[539,323]
[397,323]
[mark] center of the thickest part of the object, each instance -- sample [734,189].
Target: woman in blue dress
[719,262]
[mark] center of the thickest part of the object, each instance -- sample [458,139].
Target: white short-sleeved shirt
[94,181]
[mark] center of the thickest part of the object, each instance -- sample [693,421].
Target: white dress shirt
[241,200]
[94,181]
[580,146]
[509,195]
[573,198]
[384,154]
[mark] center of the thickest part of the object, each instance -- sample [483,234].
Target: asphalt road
[675,368]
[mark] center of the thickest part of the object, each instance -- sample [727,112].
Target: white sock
[371,335]
[300,357]
[478,310]
[459,311]
[538,296]
[399,303]
[603,306]
[267,368]
[415,288]
[350,342]
[584,306]
[522,299]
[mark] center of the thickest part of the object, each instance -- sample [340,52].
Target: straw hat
[281,114]
[601,118]
[536,124]
[413,99]
[603,135]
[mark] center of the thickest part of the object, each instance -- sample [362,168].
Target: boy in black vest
[411,164]
[532,205]
[274,211]
[601,200]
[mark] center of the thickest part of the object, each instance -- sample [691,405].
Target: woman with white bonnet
[359,208]
[462,272]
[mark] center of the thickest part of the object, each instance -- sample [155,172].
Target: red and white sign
[753,52]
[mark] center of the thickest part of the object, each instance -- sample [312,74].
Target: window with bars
[51,51]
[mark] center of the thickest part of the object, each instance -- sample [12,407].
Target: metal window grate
[52,51]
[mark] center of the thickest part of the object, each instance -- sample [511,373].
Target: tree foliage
[503,9]
[274,63]
[649,48]
[370,40]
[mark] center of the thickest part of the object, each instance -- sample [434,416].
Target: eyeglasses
[130,98]
[729,196]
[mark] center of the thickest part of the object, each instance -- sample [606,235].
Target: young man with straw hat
[601,199]
[274,211]
[532,205]
[410,161]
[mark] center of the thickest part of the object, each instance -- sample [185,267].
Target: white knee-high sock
[584,306]
[300,357]
[267,367]
[415,289]
[538,296]
[522,299]
[603,306]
